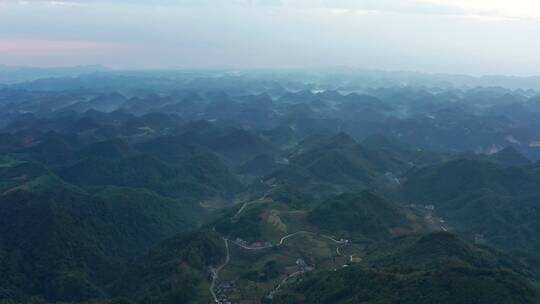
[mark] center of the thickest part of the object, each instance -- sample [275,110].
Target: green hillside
[437,268]
[481,199]
[200,176]
[439,183]
[363,215]
[174,272]
[63,243]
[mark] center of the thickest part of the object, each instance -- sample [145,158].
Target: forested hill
[264,187]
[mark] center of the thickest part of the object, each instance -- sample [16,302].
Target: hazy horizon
[475,37]
[232,69]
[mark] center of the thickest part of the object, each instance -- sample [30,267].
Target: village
[221,290]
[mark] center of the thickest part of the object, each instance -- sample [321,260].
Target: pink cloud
[40,45]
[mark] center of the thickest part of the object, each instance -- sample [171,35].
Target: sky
[438,36]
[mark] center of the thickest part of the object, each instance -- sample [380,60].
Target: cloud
[64,3]
[496,9]
[515,9]
[42,45]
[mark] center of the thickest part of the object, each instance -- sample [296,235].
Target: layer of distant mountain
[445,118]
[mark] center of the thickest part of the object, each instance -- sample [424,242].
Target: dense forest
[333,186]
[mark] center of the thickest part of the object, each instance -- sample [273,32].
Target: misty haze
[270,151]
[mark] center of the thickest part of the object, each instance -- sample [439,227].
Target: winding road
[215,272]
[282,240]
[307,232]
[252,248]
[276,289]
[241,209]
[261,199]
[291,235]
[334,240]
